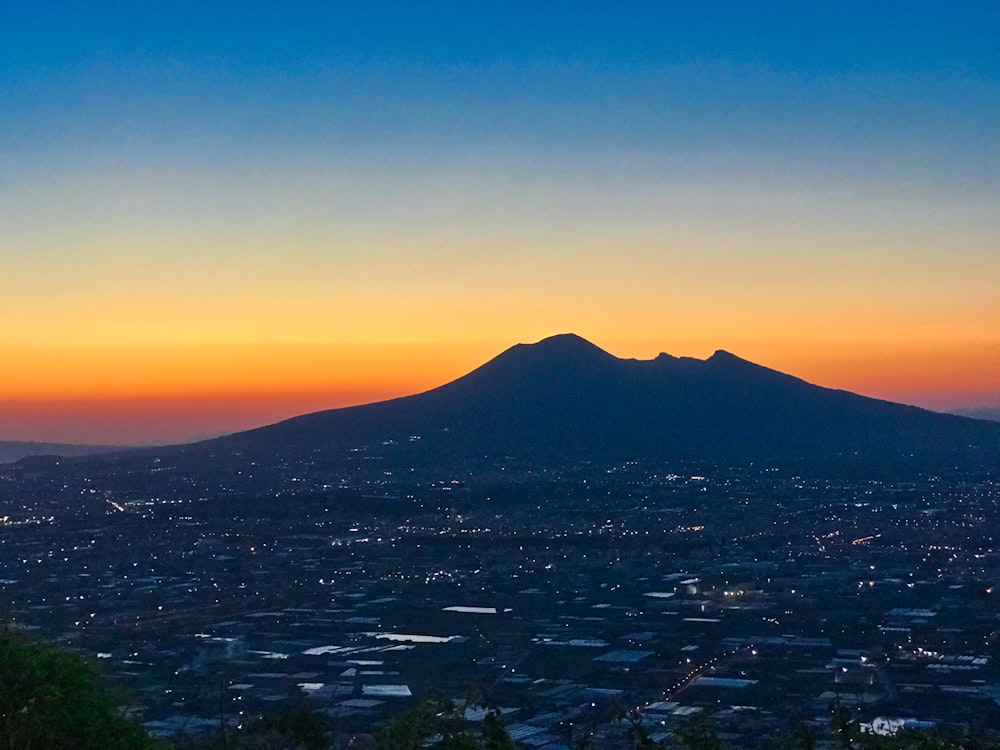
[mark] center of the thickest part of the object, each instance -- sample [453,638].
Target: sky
[214,215]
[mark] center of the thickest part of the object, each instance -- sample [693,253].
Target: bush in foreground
[50,699]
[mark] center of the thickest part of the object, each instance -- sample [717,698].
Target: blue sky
[813,185]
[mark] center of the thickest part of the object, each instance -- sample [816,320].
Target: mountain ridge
[563,398]
[12,451]
[564,402]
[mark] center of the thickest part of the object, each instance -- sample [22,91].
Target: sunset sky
[215,215]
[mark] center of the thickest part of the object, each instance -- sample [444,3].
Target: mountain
[983,412]
[11,451]
[564,400]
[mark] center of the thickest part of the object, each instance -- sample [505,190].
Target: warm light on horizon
[162,395]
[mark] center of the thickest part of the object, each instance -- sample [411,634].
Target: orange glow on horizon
[151,421]
[232,371]
[162,394]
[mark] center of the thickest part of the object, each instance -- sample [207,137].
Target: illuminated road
[686,681]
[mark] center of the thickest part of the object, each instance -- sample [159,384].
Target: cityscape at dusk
[382,375]
[216,216]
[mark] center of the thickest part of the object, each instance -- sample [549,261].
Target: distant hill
[984,412]
[11,451]
[563,400]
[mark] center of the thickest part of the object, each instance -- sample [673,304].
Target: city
[567,601]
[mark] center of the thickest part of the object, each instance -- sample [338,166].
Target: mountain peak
[564,355]
[729,365]
[568,345]
[723,359]
[721,355]
[563,350]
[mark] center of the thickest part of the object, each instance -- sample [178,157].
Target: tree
[410,730]
[698,735]
[440,722]
[295,729]
[841,723]
[495,737]
[52,700]
[636,732]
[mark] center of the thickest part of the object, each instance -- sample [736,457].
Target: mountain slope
[564,399]
[11,451]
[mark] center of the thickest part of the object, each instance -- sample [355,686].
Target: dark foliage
[53,700]
[438,721]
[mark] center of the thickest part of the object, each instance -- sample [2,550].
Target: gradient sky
[214,215]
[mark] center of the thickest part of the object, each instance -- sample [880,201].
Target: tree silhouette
[53,700]
[440,722]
